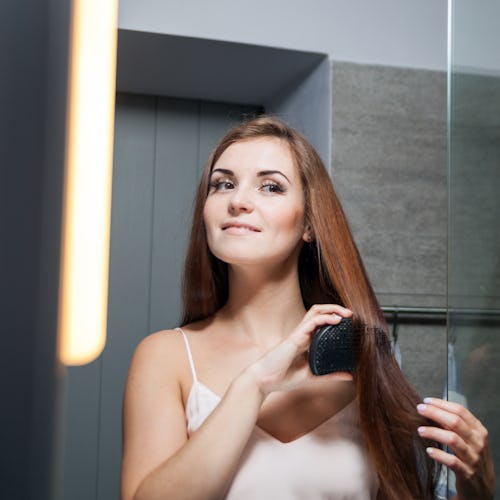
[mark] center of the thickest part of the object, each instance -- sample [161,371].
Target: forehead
[262,153]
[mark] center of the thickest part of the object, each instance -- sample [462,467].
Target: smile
[239,228]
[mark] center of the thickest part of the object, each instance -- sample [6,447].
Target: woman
[227,407]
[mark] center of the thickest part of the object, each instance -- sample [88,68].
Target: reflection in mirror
[388,157]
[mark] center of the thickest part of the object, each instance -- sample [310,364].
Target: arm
[468,438]
[159,461]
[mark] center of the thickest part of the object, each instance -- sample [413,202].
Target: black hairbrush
[333,348]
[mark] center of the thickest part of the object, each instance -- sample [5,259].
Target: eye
[272,187]
[221,185]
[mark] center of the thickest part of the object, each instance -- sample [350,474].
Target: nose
[240,202]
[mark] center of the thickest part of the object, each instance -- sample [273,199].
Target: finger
[457,418]
[347,376]
[451,461]
[325,314]
[455,408]
[310,324]
[329,309]
[446,419]
[318,315]
[301,337]
[323,319]
[450,439]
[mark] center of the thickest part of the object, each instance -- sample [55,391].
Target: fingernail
[421,430]
[429,451]
[421,407]
[428,400]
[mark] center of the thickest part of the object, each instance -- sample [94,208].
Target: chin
[238,259]
[247,253]
[249,258]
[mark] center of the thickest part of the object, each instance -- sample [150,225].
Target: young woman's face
[254,212]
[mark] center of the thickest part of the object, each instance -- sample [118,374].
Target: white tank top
[328,462]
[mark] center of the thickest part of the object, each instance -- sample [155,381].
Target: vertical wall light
[87,184]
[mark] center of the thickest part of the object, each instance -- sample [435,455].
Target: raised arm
[159,461]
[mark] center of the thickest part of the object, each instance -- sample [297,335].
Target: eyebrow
[262,173]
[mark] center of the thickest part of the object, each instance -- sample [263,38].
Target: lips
[239,226]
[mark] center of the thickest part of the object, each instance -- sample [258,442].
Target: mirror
[385,135]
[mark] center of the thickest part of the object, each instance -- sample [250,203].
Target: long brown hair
[330,270]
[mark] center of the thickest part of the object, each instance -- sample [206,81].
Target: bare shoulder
[157,356]
[154,423]
[161,360]
[159,344]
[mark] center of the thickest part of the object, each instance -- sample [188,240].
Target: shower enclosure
[474,208]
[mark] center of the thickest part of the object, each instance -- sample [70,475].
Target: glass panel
[474,210]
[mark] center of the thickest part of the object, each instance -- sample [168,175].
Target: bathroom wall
[386,32]
[474,259]
[389,166]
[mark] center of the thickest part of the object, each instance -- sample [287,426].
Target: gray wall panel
[390,170]
[306,105]
[389,167]
[82,431]
[176,176]
[130,267]
[424,356]
[215,120]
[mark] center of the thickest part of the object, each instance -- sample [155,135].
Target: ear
[308,235]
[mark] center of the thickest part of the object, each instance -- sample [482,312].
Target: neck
[264,305]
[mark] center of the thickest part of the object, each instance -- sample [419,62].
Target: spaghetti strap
[190,356]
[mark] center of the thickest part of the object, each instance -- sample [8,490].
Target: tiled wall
[390,171]
[474,267]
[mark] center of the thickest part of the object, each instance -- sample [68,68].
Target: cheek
[212,211]
[205,213]
[291,220]
[209,210]
[207,219]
